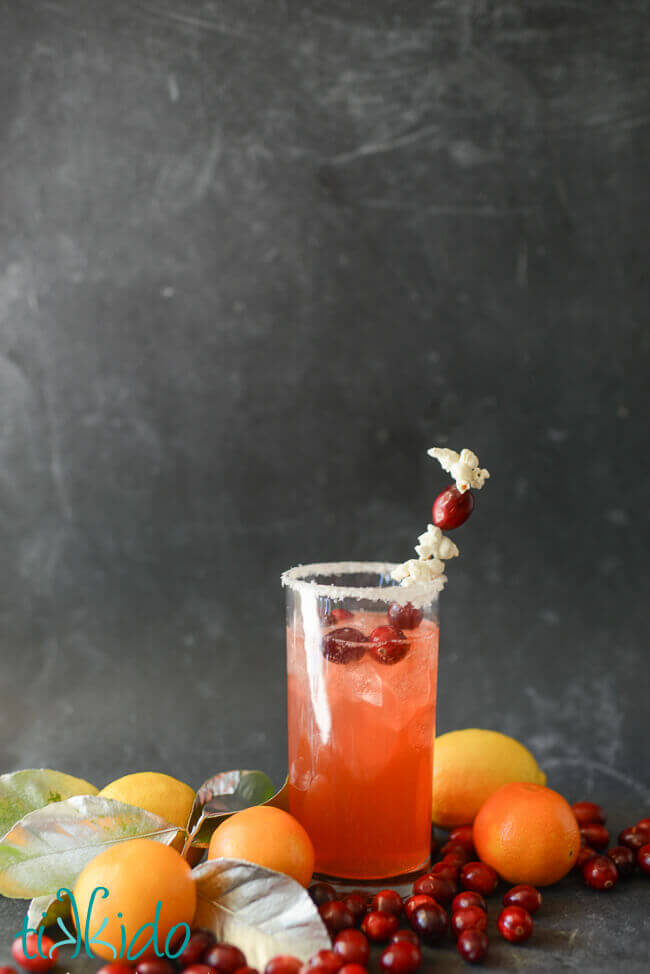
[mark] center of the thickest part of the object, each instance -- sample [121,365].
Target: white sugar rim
[418,594]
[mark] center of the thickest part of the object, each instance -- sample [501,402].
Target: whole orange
[138,874]
[267,837]
[528,833]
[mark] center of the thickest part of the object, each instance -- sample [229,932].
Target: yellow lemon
[157,793]
[469,765]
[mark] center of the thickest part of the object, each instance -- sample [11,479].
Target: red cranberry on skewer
[344,645]
[600,873]
[472,946]
[388,644]
[515,924]
[404,616]
[451,508]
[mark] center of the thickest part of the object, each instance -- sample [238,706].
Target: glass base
[346,883]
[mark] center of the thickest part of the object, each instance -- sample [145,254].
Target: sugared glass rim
[418,594]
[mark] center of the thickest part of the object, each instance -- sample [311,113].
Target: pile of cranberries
[450,900]
[602,872]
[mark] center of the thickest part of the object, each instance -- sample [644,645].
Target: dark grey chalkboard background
[255,258]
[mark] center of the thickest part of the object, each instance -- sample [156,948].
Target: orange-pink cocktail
[362,659]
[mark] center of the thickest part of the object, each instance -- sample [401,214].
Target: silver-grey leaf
[50,905]
[48,848]
[262,912]
[22,792]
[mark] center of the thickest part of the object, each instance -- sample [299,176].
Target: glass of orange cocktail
[362,661]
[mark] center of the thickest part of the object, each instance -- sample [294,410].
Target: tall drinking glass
[362,705]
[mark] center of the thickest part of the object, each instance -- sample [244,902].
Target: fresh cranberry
[633,838]
[469,918]
[115,967]
[388,645]
[643,858]
[468,898]
[600,873]
[387,901]
[357,903]
[352,947]
[527,897]
[379,926]
[441,889]
[344,645]
[595,835]
[588,813]
[414,902]
[283,964]
[404,616]
[200,969]
[455,852]
[409,935]
[584,855]
[322,893]
[161,965]
[401,958]
[624,860]
[340,615]
[463,835]
[5,969]
[434,842]
[200,941]
[480,877]
[472,946]
[316,969]
[515,924]
[225,958]
[447,869]
[353,969]
[33,959]
[336,916]
[327,959]
[451,508]
[643,825]
[430,922]
[244,970]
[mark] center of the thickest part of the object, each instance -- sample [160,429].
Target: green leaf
[262,912]
[221,796]
[50,905]
[49,847]
[22,792]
